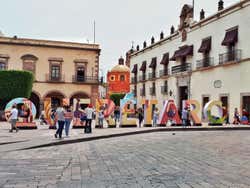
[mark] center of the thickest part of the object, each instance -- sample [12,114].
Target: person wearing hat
[89,113]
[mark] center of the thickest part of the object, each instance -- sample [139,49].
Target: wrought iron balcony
[164,90]
[152,75]
[143,92]
[143,77]
[134,80]
[181,68]
[85,79]
[234,55]
[56,79]
[152,91]
[206,62]
[164,72]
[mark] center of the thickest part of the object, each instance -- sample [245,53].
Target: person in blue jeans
[68,118]
[60,112]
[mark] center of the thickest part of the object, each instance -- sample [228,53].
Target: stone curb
[172,129]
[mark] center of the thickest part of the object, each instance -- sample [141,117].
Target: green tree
[14,84]
[116,98]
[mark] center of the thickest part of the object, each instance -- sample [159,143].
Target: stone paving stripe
[168,129]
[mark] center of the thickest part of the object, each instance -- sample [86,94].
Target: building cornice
[49,43]
[196,25]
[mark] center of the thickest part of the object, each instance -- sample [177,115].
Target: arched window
[29,62]
[122,78]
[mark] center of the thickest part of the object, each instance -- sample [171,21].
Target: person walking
[89,115]
[68,119]
[155,117]
[117,114]
[140,116]
[13,118]
[184,117]
[60,113]
[100,117]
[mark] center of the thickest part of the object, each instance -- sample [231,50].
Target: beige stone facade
[203,60]
[61,69]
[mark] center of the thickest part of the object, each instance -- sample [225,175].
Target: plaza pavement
[186,159]
[43,136]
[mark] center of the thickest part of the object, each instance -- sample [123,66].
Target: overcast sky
[118,22]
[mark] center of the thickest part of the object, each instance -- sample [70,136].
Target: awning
[143,66]
[205,45]
[231,37]
[153,63]
[165,59]
[135,69]
[182,52]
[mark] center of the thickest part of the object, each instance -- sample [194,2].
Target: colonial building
[61,69]
[118,79]
[204,60]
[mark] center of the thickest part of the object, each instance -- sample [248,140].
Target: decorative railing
[143,77]
[152,75]
[50,78]
[181,68]
[134,80]
[206,62]
[85,79]
[234,55]
[164,72]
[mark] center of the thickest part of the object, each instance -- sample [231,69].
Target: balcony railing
[206,62]
[143,92]
[85,79]
[143,77]
[164,72]
[152,91]
[50,78]
[152,75]
[181,68]
[134,80]
[234,55]
[164,90]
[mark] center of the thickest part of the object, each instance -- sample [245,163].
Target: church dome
[120,67]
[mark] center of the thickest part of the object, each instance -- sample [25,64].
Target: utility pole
[94,31]
[193,9]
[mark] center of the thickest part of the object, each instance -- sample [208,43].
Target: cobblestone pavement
[181,160]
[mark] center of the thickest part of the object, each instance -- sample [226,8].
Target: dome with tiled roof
[120,67]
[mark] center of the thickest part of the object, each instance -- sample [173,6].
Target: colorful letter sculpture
[109,107]
[79,119]
[49,114]
[214,120]
[125,111]
[27,111]
[194,110]
[148,110]
[169,113]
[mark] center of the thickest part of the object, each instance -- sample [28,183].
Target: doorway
[183,95]
[246,103]
[36,101]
